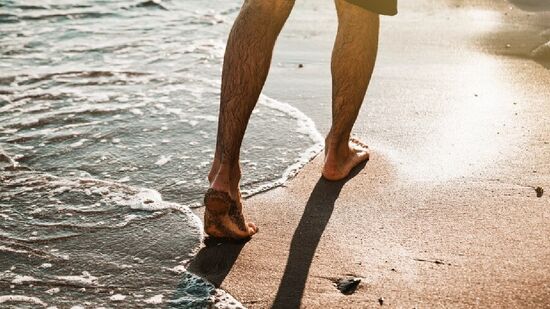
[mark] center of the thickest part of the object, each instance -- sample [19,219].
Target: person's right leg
[245,67]
[353,60]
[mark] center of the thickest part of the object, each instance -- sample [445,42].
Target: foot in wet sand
[223,216]
[340,162]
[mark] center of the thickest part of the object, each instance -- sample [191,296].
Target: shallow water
[532,5]
[542,8]
[108,109]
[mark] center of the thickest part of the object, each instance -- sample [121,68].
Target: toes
[252,228]
[358,143]
[361,149]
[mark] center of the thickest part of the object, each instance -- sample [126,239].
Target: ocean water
[108,116]
[542,8]
[532,5]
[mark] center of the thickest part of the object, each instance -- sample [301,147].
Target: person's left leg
[245,67]
[353,59]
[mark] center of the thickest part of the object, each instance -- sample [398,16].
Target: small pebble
[539,191]
[348,286]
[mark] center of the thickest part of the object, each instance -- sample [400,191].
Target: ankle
[226,179]
[213,170]
[336,146]
[337,139]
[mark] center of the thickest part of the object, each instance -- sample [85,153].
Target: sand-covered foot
[223,217]
[338,165]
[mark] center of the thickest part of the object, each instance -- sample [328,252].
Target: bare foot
[338,166]
[223,216]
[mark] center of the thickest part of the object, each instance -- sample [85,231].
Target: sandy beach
[446,212]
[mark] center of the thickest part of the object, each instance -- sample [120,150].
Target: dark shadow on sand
[215,260]
[315,218]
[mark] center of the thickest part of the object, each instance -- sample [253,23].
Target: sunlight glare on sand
[470,134]
[490,19]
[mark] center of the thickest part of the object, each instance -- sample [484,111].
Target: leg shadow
[318,210]
[215,260]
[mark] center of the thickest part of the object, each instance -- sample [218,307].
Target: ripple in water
[99,100]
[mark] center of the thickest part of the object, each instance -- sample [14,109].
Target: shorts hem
[382,7]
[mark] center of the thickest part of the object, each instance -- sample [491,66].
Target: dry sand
[445,214]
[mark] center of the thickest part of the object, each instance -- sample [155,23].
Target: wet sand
[446,212]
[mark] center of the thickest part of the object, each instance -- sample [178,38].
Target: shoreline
[445,212]
[524,33]
[305,124]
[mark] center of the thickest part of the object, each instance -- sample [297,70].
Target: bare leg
[353,60]
[246,64]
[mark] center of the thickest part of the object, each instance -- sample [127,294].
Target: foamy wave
[109,205]
[127,117]
[199,293]
[86,279]
[83,280]
[542,52]
[305,125]
[7,161]
[154,300]
[13,250]
[21,299]
[23,279]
